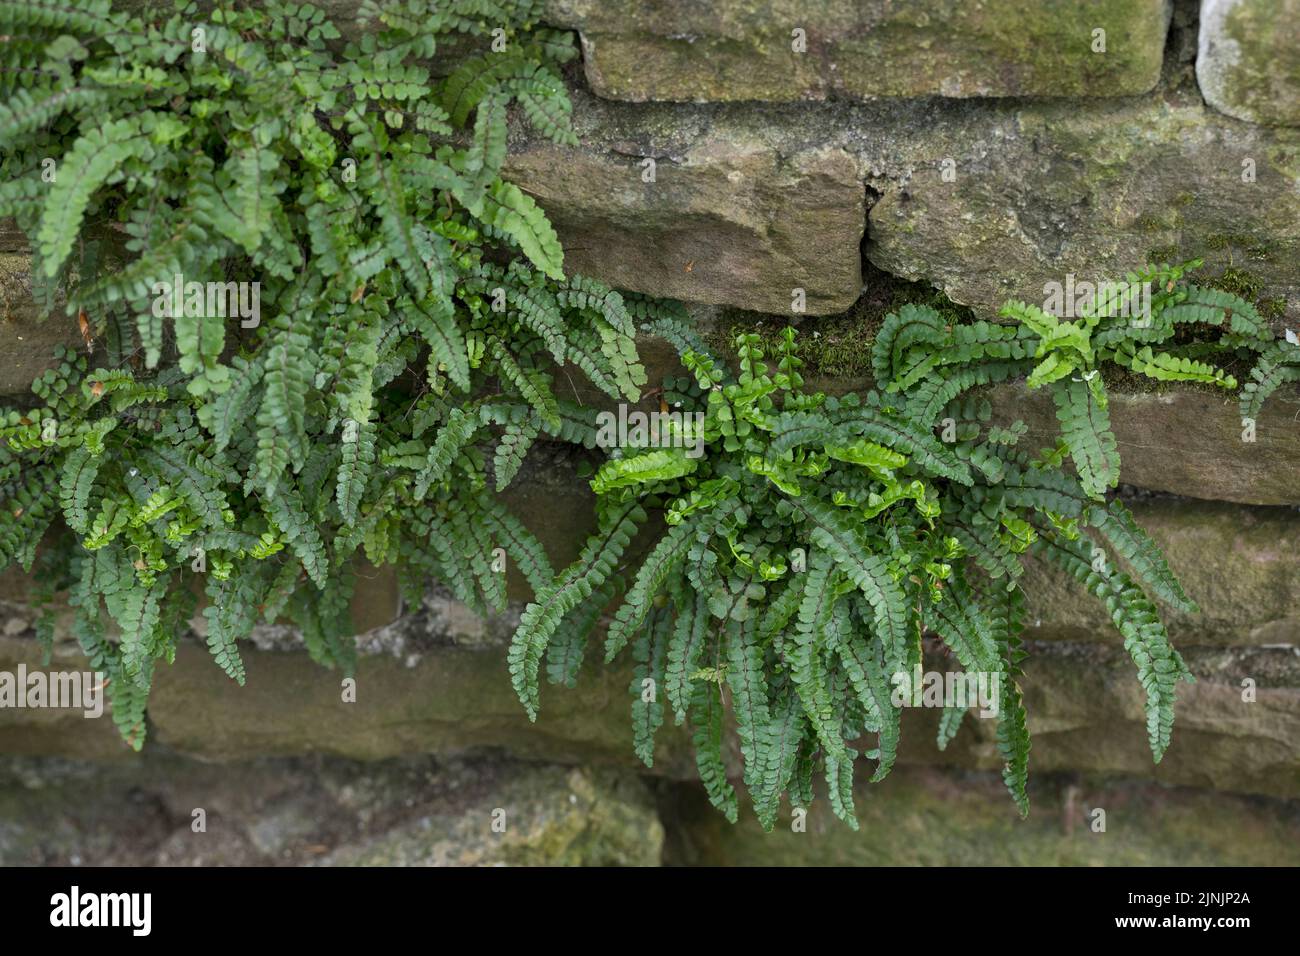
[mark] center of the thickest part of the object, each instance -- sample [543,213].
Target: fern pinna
[804,558]
[376,359]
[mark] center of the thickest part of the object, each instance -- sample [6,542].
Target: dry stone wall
[737,155]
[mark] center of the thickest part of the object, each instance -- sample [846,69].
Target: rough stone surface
[985,200]
[1238,564]
[417,812]
[921,817]
[40,730]
[1086,714]
[445,700]
[424,811]
[553,816]
[745,49]
[726,218]
[29,339]
[1039,191]
[1084,702]
[1248,62]
[1184,441]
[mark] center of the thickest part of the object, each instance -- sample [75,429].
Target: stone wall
[734,153]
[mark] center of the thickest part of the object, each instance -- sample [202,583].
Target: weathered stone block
[553,816]
[444,700]
[426,811]
[750,50]
[1248,59]
[1183,441]
[29,340]
[418,694]
[1086,713]
[312,811]
[921,817]
[65,731]
[1238,564]
[1041,191]
[988,201]
[1084,701]
[727,219]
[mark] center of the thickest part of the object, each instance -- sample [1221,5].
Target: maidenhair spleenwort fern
[376,360]
[807,556]
[917,355]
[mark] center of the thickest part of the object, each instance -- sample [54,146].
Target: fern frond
[961,622]
[647,681]
[285,508]
[706,733]
[655,570]
[1277,365]
[657,465]
[684,650]
[455,434]
[98,157]
[509,209]
[746,676]
[542,617]
[1085,425]
[831,531]
[1116,524]
[1171,368]
[1159,666]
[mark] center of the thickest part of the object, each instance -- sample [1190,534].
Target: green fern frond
[543,616]
[706,718]
[1117,526]
[1085,425]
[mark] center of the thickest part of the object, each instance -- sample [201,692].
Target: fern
[1085,426]
[647,678]
[1118,527]
[706,733]
[94,160]
[262,457]
[543,616]
[934,362]
[895,535]
[1159,666]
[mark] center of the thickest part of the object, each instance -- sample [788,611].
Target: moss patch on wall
[837,345]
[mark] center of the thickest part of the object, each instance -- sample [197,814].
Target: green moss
[1151,224]
[1239,282]
[1233,243]
[1246,284]
[838,345]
